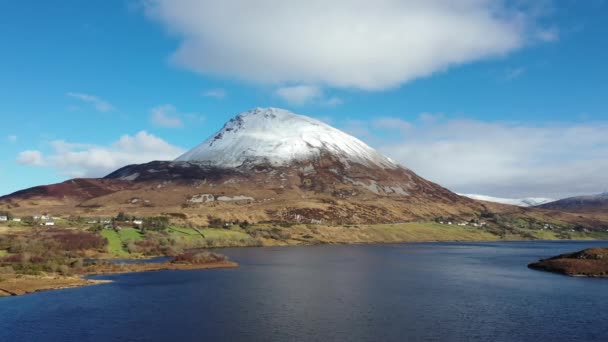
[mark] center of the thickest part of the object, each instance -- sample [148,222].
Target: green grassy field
[115,246]
[118,240]
[429,232]
[589,236]
[130,234]
[3,252]
[442,232]
[182,238]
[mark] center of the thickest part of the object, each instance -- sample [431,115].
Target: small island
[592,262]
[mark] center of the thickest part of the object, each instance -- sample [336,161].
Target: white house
[3,218]
[138,222]
[49,223]
[16,219]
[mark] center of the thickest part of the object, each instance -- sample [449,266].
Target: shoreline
[19,285]
[380,243]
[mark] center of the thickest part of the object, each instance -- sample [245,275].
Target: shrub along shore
[43,259]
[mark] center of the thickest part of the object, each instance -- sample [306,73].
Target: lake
[398,292]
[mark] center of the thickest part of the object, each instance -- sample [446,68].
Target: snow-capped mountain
[522,202]
[266,164]
[279,137]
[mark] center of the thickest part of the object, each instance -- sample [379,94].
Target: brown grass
[590,262]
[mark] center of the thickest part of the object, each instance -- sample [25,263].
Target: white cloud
[217,93]
[12,138]
[392,124]
[333,101]
[342,43]
[90,160]
[430,118]
[31,157]
[506,159]
[166,116]
[98,103]
[299,94]
[305,94]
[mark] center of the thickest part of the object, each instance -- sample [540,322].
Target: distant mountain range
[521,202]
[580,204]
[577,204]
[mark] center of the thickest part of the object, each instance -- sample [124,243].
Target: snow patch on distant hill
[279,137]
[522,202]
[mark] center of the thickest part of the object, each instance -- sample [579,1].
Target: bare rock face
[265,164]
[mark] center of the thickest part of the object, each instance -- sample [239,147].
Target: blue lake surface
[400,292]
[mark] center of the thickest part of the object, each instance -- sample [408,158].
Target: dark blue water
[405,292]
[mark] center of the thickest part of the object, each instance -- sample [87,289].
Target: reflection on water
[429,291]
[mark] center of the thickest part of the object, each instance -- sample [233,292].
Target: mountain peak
[267,112]
[280,137]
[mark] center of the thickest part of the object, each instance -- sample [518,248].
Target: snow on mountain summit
[279,137]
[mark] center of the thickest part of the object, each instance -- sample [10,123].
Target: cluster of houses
[473,224]
[5,219]
[46,220]
[109,223]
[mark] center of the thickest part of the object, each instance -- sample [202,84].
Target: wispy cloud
[299,94]
[307,94]
[91,160]
[31,157]
[332,101]
[12,138]
[514,73]
[217,93]
[548,35]
[388,123]
[166,116]
[98,103]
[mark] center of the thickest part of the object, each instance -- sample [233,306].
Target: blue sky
[521,111]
